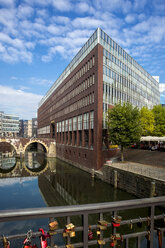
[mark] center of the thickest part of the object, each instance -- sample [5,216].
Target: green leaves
[123,122]
[159,116]
[147,121]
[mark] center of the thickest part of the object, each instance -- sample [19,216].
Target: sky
[38,39]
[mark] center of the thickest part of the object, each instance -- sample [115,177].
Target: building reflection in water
[7,164]
[71,186]
[33,164]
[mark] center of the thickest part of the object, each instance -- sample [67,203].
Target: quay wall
[138,185]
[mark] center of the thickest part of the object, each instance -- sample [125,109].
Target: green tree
[123,123]
[147,121]
[159,116]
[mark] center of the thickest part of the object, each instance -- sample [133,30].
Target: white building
[9,125]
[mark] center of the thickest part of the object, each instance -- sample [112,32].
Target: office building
[34,127]
[73,111]
[9,125]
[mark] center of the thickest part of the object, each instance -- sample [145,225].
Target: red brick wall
[91,158]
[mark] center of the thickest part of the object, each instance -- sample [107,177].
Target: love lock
[116,221]
[27,241]
[43,238]
[6,242]
[113,241]
[101,242]
[102,224]
[131,225]
[69,230]
[70,246]
[90,234]
[53,225]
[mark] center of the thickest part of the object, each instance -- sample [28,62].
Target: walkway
[141,169]
[147,157]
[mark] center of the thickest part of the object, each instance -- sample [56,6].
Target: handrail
[85,210]
[20,214]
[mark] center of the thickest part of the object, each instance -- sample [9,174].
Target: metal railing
[88,209]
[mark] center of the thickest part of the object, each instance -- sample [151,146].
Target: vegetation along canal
[39,182]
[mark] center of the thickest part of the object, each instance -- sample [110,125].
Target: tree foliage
[159,116]
[123,123]
[147,121]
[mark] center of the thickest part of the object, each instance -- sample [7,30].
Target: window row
[109,57]
[80,122]
[125,56]
[85,101]
[115,96]
[83,86]
[88,65]
[84,51]
[44,130]
[121,82]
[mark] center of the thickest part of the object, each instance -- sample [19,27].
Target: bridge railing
[101,209]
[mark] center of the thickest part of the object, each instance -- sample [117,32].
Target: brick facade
[84,151]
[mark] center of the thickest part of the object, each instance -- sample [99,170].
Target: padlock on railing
[43,238]
[102,225]
[131,225]
[113,241]
[52,228]
[101,241]
[69,230]
[6,242]
[53,225]
[90,233]
[116,220]
[70,246]
[159,237]
[27,241]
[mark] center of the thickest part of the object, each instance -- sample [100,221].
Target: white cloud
[139,5]
[24,11]
[62,5]
[130,18]
[87,22]
[21,103]
[6,2]
[112,6]
[60,19]
[40,81]
[162,88]
[11,181]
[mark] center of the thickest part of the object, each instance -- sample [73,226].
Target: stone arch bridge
[20,145]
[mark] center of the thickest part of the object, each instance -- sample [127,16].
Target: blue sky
[38,38]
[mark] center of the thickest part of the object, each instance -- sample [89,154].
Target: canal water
[39,182]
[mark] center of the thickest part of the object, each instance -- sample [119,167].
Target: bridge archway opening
[36,147]
[7,149]
[35,159]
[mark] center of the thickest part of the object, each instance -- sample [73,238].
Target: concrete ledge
[136,184]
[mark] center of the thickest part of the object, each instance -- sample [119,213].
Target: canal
[38,181]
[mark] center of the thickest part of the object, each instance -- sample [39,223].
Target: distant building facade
[28,128]
[73,111]
[9,125]
[34,127]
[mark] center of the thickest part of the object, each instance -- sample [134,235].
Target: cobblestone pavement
[144,162]
[141,169]
[145,157]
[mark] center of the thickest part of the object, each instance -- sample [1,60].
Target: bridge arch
[36,141]
[10,143]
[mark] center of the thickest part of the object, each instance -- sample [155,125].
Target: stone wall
[138,185]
